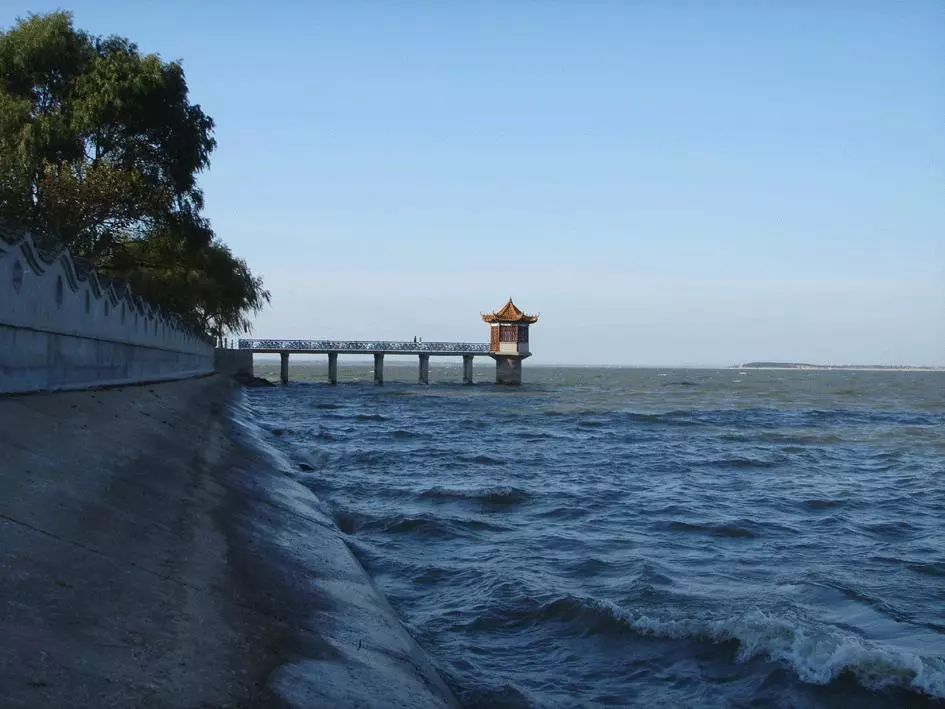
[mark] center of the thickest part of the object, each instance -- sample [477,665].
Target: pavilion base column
[467,369]
[284,369]
[332,367]
[508,370]
[424,369]
[378,369]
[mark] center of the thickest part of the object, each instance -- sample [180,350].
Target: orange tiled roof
[509,313]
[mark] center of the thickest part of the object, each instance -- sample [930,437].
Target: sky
[666,182]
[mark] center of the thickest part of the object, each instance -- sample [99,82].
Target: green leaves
[215,291]
[41,57]
[101,147]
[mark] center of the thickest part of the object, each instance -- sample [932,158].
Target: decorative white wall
[63,326]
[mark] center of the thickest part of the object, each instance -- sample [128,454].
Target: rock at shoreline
[251,381]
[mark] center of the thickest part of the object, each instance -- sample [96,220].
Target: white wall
[64,327]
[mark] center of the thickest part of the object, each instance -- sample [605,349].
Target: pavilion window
[507,333]
[523,333]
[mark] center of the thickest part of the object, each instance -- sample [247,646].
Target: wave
[601,419]
[563,512]
[670,418]
[431,527]
[822,503]
[541,436]
[760,420]
[771,418]
[743,529]
[886,530]
[793,441]
[425,525]
[503,495]
[672,509]
[929,568]
[323,435]
[372,457]
[739,462]
[507,696]
[370,417]
[588,567]
[817,654]
[902,418]
[482,460]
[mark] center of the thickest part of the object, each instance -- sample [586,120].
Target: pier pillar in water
[332,367]
[508,370]
[467,369]
[378,369]
[424,369]
[284,369]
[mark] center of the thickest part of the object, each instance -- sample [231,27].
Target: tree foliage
[101,147]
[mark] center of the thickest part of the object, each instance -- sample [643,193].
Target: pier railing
[365,346]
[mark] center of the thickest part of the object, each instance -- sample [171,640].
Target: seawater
[644,536]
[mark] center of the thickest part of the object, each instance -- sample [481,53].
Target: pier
[333,348]
[508,346]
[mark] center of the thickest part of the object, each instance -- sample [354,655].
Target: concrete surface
[227,361]
[154,553]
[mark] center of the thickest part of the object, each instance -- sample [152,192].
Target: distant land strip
[860,367]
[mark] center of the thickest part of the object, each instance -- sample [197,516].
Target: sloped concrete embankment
[152,553]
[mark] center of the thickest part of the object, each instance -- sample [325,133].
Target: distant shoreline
[838,367]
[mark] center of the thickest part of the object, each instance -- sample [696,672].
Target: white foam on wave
[817,654]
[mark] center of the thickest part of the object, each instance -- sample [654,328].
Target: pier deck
[378,348]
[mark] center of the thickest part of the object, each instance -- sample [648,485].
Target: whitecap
[818,654]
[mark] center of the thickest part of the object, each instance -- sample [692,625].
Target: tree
[212,289]
[101,147]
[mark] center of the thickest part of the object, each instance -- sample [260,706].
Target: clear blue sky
[666,182]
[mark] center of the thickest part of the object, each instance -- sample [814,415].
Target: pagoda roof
[509,313]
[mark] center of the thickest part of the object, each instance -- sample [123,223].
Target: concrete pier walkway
[379,349]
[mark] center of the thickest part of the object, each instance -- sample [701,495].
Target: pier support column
[508,370]
[467,369]
[284,369]
[378,369]
[332,367]
[424,369]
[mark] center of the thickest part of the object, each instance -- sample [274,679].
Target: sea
[642,537]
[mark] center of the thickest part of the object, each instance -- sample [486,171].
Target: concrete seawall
[234,362]
[184,566]
[63,326]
